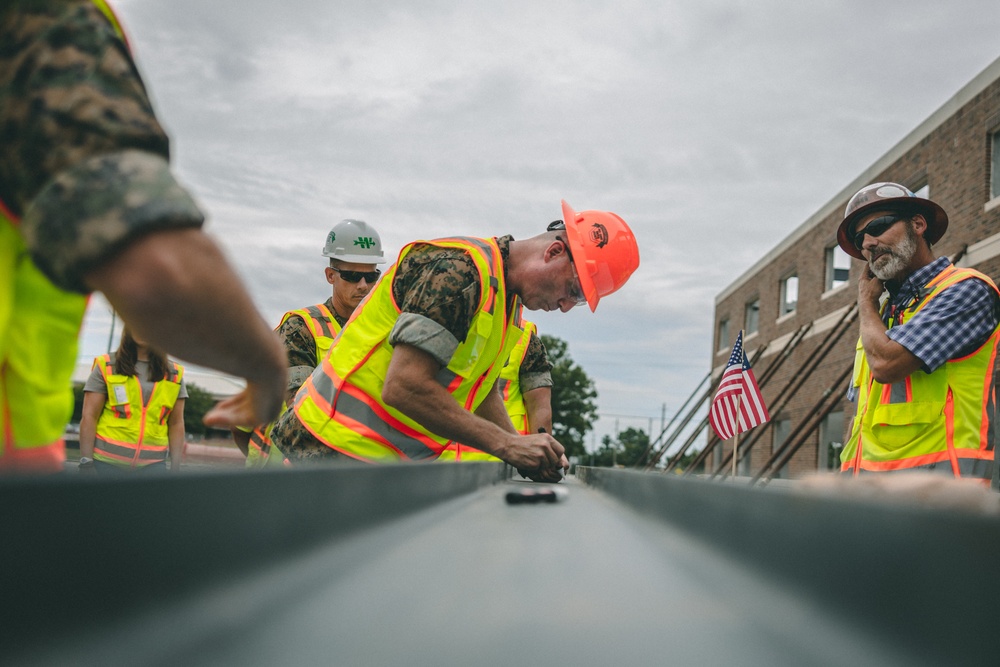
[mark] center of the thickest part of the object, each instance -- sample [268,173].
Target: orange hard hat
[604,251]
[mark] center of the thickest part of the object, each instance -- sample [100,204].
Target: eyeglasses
[356,276]
[575,292]
[876,228]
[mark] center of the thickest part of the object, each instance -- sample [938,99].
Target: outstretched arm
[177,291]
[410,387]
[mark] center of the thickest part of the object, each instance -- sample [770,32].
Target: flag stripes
[738,391]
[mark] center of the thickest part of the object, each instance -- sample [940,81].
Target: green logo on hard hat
[365,242]
[331,238]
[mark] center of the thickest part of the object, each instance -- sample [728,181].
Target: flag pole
[736,438]
[739,398]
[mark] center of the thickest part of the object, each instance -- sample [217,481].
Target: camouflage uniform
[536,369]
[85,164]
[300,346]
[438,291]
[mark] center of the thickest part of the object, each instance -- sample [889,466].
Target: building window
[838,266]
[995,166]
[831,441]
[723,334]
[751,316]
[789,294]
[782,427]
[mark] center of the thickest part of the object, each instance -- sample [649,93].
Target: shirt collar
[916,281]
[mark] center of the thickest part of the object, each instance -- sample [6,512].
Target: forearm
[177,291]
[93,405]
[538,404]
[411,388]
[175,445]
[492,409]
[888,360]
[431,406]
[88,433]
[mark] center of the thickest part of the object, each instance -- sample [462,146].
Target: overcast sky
[714,128]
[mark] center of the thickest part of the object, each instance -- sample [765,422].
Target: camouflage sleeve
[85,160]
[300,347]
[440,284]
[536,369]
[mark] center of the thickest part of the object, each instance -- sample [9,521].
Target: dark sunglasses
[876,228]
[356,276]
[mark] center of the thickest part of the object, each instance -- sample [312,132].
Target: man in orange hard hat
[923,378]
[414,372]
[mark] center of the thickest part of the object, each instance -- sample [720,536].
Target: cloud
[714,128]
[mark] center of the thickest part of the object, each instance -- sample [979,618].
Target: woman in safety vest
[133,411]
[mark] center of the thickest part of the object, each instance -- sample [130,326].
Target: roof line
[946,111]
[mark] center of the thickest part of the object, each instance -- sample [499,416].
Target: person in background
[354,248]
[416,369]
[88,203]
[923,373]
[133,411]
[526,384]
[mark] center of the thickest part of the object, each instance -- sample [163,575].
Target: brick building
[797,303]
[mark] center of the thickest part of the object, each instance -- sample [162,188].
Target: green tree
[625,451]
[574,409]
[197,404]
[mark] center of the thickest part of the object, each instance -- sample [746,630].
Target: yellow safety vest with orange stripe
[341,402]
[510,391]
[130,432]
[324,328]
[39,326]
[927,419]
[510,381]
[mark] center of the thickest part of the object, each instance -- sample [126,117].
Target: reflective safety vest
[341,402]
[509,385]
[39,326]
[510,380]
[129,432]
[927,421]
[324,328]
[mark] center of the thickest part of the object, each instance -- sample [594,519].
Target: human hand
[254,406]
[549,475]
[870,288]
[538,454]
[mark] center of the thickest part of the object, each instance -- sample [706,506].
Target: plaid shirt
[954,324]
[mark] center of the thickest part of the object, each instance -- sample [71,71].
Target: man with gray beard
[923,375]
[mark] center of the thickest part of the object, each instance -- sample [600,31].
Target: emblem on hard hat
[599,235]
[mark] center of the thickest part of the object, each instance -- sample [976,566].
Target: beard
[892,262]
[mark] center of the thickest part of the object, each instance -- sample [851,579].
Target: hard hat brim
[937,220]
[356,259]
[575,240]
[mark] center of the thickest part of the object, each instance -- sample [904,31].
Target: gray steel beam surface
[78,552]
[918,578]
[428,565]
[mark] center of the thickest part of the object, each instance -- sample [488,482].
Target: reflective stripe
[125,452]
[977,468]
[383,427]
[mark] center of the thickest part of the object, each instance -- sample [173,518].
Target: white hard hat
[354,241]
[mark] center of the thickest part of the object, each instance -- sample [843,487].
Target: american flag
[737,385]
